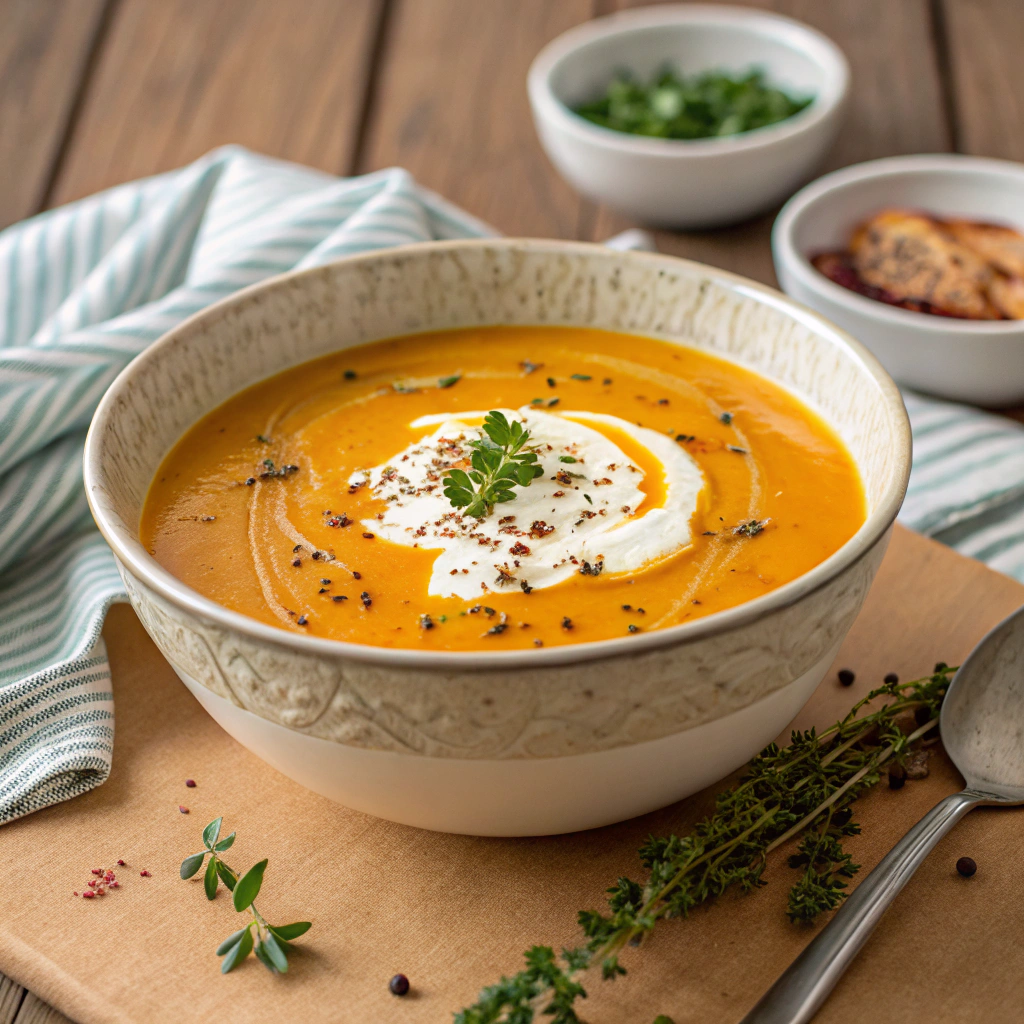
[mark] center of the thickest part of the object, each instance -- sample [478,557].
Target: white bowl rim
[143,565]
[816,44]
[819,191]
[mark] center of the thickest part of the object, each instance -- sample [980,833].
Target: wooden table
[96,92]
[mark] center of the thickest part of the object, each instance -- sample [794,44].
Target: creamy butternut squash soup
[500,488]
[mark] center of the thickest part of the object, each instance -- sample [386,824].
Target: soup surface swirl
[674,484]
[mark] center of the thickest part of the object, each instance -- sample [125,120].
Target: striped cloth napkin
[85,288]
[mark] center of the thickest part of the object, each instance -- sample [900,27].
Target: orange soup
[500,488]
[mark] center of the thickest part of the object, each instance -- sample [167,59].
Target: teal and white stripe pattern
[85,288]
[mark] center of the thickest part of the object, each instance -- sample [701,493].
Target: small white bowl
[684,183]
[965,360]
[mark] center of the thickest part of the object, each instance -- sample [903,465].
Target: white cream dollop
[583,516]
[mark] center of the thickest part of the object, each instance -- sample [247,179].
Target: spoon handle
[806,983]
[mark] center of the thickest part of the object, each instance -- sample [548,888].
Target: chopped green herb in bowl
[704,106]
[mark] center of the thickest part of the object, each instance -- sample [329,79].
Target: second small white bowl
[676,182]
[979,361]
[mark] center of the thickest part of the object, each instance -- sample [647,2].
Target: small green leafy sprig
[271,942]
[502,460]
[804,790]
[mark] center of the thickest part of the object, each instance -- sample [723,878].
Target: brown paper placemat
[454,912]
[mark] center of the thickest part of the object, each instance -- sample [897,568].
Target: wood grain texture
[983,39]
[895,107]
[11,997]
[451,107]
[44,49]
[180,77]
[35,1011]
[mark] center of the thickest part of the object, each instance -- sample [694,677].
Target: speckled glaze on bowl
[517,742]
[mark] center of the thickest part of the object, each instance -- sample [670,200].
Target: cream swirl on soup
[586,514]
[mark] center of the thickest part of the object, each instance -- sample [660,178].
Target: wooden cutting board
[454,912]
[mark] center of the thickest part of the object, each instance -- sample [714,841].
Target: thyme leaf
[269,941]
[501,461]
[801,791]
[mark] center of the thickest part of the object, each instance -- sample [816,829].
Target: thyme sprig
[803,790]
[270,942]
[502,460]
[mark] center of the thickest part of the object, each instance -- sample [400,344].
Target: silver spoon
[982,727]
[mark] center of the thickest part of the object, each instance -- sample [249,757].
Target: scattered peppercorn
[325,581]
[302,620]
[627,607]
[399,985]
[339,598]
[566,622]
[297,562]
[145,874]
[350,375]
[897,776]
[120,863]
[726,418]
[368,535]
[357,575]
[251,480]
[366,599]
[191,783]
[426,622]
[632,628]
[966,866]
[182,809]
[846,677]
[891,679]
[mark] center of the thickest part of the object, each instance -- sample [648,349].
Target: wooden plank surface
[180,77]
[984,40]
[450,105]
[895,107]
[44,52]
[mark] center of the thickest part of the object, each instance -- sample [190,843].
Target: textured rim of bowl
[829,98]
[143,565]
[814,199]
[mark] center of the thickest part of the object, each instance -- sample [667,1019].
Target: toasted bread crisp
[1007,293]
[1002,247]
[957,268]
[913,258]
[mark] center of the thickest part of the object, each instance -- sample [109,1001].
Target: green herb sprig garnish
[502,460]
[271,942]
[701,107]
[801,791]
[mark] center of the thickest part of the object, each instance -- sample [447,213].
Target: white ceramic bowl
[513,742]
[965,360]
[684,183]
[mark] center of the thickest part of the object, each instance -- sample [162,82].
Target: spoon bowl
[982,718]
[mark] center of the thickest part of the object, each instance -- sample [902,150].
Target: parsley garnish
[501,461]
[699,107]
